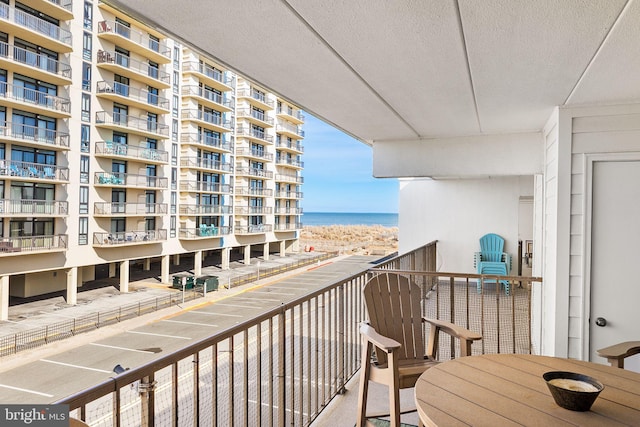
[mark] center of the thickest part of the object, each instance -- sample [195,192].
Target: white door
[615,264]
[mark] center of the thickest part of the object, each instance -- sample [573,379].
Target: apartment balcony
[290,130]
[252,229]
[134,69]
[254,134]
[110,209]
[220,144]
[253,210]
[256,98]
[291,114]
[34,172]
[34,136]
[293,163]
[248,171]
[34,29]
[124,94]
[288,227]
[288,211]
[250,191]
[192,186]
[128,238]
[116,150]
[256,117]
[208,120]
[33,208]
[204,210]
[208,165]
[289,178]
[254,154]
[208,75]
[40,67]
[59,9]
[208,98]
[125,123]
[27,245]
[35,101]
[120,179]
[283,194]
[203,232]
[291,146]
[134,41]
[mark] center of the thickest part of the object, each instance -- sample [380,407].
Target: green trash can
[209,283]
[178,279]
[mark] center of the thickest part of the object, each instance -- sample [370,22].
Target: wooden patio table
[508,390]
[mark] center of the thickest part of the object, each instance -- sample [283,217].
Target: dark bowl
[571,394]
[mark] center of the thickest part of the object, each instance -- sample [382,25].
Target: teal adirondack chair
[493,260]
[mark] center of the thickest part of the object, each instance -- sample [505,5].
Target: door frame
[587,205]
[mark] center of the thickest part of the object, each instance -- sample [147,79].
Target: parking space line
[120,348]
[158,335]
[75,366]
[210,313]
[190,323]
[238,305]
[25,390]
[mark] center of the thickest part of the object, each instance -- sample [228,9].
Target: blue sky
[338,173]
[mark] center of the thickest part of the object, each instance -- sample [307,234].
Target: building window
[85,138]
[86,46]
[84,169]
[83,231]
[84,200]
[86,107]
[88,15]
[176,103]
[174,178]
[172,226]
[174,202]
[176,57]
[174,130]
[176,82]
[154,43]
[174,154]
[86,76]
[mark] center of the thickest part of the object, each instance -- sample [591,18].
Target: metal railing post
[341,337]
[282,339]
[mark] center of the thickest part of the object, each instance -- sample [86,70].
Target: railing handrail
[60,67]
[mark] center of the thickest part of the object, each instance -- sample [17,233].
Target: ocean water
[350,218]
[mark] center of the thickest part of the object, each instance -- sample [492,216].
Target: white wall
[457,213]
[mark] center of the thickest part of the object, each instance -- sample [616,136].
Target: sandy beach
[350,239]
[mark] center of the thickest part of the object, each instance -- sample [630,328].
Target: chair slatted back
[491,247]
[393,308]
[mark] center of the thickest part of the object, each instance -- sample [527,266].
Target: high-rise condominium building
[121,145]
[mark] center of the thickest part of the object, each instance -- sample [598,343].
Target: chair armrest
[616,354]
[465,336]
[380,341]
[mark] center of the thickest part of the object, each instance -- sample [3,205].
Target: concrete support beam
[226,256]
[112,269]
[283,248]
[197,263]
[124,276]
[147,264]
[247,255]
[164,269]
[265,252]
[4,297]
[176,259]
[72,286]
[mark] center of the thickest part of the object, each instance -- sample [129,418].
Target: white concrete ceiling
[411,69]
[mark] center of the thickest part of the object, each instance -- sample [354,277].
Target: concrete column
[164,269]
[176,259]
[283,248]
[295,246]
[112,269]
[197,263]
[4,297]
[72,286]
[226,255]
[247,255]
[124,276]
[147,264]
[265,252]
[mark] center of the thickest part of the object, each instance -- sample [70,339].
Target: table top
[508,389]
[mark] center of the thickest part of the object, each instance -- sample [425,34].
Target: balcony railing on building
[121,179]
[256,116]
[288,227]
[139,70]
[115,149]
[220,142]
[253,191]
[207,118]
[128,209]
[31,244]
[28,171]
[288,211]
[225,81]
[134,237]
[257,97]
[295,146]
[253,133]
[141,126]
[208,95]
[33,208]
[198,210]
[283,194]
[204,231]
[257,154]
[252,229]
[253,210]
[34,136]
[204,163]
[205,187]
[291,114]
[52,36]
[284,177]
[295,131]
[36,101]
[132,39]
[283,160]
[49,69]
[141,98]
[249,171]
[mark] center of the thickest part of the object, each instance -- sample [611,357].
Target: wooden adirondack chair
[393,348]
[492,259]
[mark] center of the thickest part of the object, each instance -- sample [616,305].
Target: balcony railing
[281,160]
[30,244]
[136,37]
[124,208]
[204,231]
[35,60]
[293,145]
[142,96]
[133,123]
[257,96]
[34,134]
[291,112]
[139,67]
[288,227]
[34,208]
[250,191]
[242,113]
[252,133]
[252,229]
[288,211]
[208,140]
[289,178]
[35,97]
[209,71]
[35,24]
[245,170]
[199,162]
[209,95]
[129,237]
[295,130]
[258,154]
[207,117]
[205,186]
[109,148]
[193,210]
[117,179]
[28,171]
[283,194]
[253,210]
